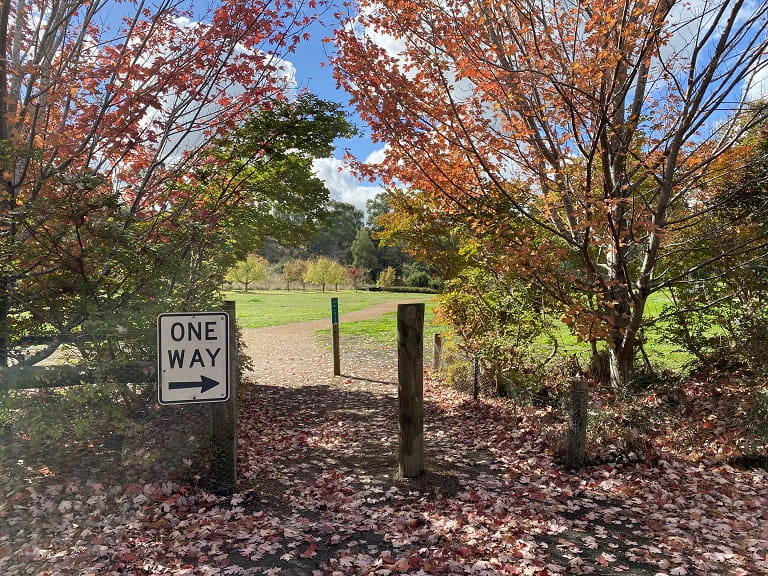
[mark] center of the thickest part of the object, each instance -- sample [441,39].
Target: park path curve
[291,355]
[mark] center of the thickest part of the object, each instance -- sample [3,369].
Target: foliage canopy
[575,140]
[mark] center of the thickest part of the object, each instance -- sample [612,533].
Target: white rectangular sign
[193,357]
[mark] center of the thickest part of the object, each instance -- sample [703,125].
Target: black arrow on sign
[204,384]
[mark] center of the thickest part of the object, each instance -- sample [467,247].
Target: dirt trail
[290,355]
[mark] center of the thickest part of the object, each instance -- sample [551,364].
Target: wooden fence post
[224,422]
[410,391]
[577,432]
[438,352]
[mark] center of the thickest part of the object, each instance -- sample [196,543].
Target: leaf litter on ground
[319,495]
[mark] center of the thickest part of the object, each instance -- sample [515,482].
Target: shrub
[419,280]
[498,321]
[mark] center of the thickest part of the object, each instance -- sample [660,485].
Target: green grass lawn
[382,332]
[275,307]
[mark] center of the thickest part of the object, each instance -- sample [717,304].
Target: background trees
[573,141]
[336,231]
[364,252]
[249,271]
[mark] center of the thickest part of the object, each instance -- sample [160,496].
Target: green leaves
[263,171]
[307,127]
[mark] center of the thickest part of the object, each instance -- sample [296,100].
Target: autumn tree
[324,271]
[391,253]
[293,271]
[104,126]
[356,276]
[387,277]
[414,224]
[246,272]
[570,137]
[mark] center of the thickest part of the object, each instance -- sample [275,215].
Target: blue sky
[311,74]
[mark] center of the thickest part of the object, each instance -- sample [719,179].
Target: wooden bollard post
[335,329]
[437,352]
[224,423]
[410,391]
[577,431]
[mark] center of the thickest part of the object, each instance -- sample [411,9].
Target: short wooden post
[410,377]
[335,329]
[437,352]
[577,432]
[223,474]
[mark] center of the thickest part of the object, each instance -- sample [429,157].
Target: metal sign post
[335,328]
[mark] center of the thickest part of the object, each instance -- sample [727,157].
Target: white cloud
[757,88]
[343,185]
[377,156]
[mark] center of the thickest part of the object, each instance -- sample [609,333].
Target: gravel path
[291,355]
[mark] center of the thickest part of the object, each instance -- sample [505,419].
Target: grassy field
[383,330]
[276,307]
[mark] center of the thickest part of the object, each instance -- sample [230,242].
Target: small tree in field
[387,277]
[249,271]
[324,271]
[294,271]
[356,275]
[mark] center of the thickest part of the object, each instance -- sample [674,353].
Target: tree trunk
[625,318]
[621,367]
[623,312]
[5,325]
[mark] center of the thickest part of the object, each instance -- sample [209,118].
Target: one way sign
[193,357]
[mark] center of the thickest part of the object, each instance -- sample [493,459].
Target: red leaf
[310,551]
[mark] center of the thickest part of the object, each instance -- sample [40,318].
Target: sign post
[197,362]
[335,328]
[223,474]
[193,357]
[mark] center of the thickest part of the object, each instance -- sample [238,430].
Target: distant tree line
[341,246]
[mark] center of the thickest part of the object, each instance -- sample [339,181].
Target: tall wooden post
[335,328]
[410,377]
[577,432]
[437,352]
[224,422]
